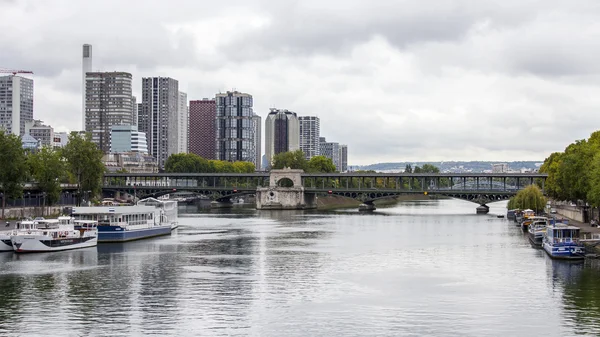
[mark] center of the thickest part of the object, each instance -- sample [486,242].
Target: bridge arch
[285,182]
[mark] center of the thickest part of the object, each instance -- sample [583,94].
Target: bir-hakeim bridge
[295,189]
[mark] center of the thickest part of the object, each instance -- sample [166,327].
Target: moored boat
[561,241]
[536,231]
[149,218]
[5,243]
[528,215]
[55,235]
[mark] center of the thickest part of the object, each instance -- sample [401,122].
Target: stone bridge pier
[285,191]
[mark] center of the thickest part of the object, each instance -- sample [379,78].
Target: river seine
[423,268]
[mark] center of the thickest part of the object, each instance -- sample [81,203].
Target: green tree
[13,170]
[84,163]
[293,160]
[408,169]
[321,164]
[530,197]
[551,166]
[187,163]
[47,169]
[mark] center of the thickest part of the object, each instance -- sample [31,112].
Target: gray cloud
[395,80]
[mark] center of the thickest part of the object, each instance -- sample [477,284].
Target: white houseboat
[54,235]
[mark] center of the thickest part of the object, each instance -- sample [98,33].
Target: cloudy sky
[396,80]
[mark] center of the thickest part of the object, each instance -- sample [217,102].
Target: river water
[426,268]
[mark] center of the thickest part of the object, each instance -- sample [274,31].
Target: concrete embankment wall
[570,212]
[32,212]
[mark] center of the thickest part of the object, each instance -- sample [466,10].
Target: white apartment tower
[86,68]
[281,133]
[16,103]
[183,122]
[159,116]
[310,132]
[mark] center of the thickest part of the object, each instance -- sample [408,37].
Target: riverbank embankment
[575,215]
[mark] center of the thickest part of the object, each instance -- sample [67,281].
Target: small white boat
[55,235]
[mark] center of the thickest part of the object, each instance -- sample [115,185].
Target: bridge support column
[367,207]
[276,196]
[483,209]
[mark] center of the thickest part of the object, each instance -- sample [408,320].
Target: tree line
[574,174]
[79,162]
[193,163]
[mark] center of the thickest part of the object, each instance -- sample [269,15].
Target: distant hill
[452,166]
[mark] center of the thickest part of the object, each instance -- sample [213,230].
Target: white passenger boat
[149,218]
[55,235]
[5,243]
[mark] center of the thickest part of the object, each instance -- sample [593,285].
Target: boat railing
[565,240]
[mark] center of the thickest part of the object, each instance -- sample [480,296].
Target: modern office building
[108,103]
[343,158]
[331,150]
[282,132]
[183,126]
[310,131]
[256,119]
[86,68]
[235,127]
[158,118]
[43,133]
[16,103]
[202,137]
[126,138]
[132,162]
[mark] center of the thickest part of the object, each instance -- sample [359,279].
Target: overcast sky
[395,80]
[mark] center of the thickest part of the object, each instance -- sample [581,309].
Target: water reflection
[418,268]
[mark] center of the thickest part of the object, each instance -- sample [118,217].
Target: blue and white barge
[561,241]
[128,223]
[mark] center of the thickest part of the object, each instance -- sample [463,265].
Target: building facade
[132,162]
[234,127]
[331,150]
[60,139]
[126,138]
[158,118]
[16,103]
[108,103]
[182,119]
[202,133]
[257,120]
[310,132]
[86,68]
[343,158]
[43,133]
[282,133]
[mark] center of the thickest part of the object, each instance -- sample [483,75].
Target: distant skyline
[395,80]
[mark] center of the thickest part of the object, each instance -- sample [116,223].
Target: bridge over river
[283,189]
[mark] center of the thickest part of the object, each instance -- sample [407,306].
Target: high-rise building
[331,150]
[310,131]
[126,138]
[235,127]
[43,133]
[86,68]
[281,133]
[158,118]
[108,103]
[257,143]
[343,158]
[134,114]
[183,120]
[16,103]
[202,128]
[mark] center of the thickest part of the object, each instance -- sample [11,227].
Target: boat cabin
[561,233]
